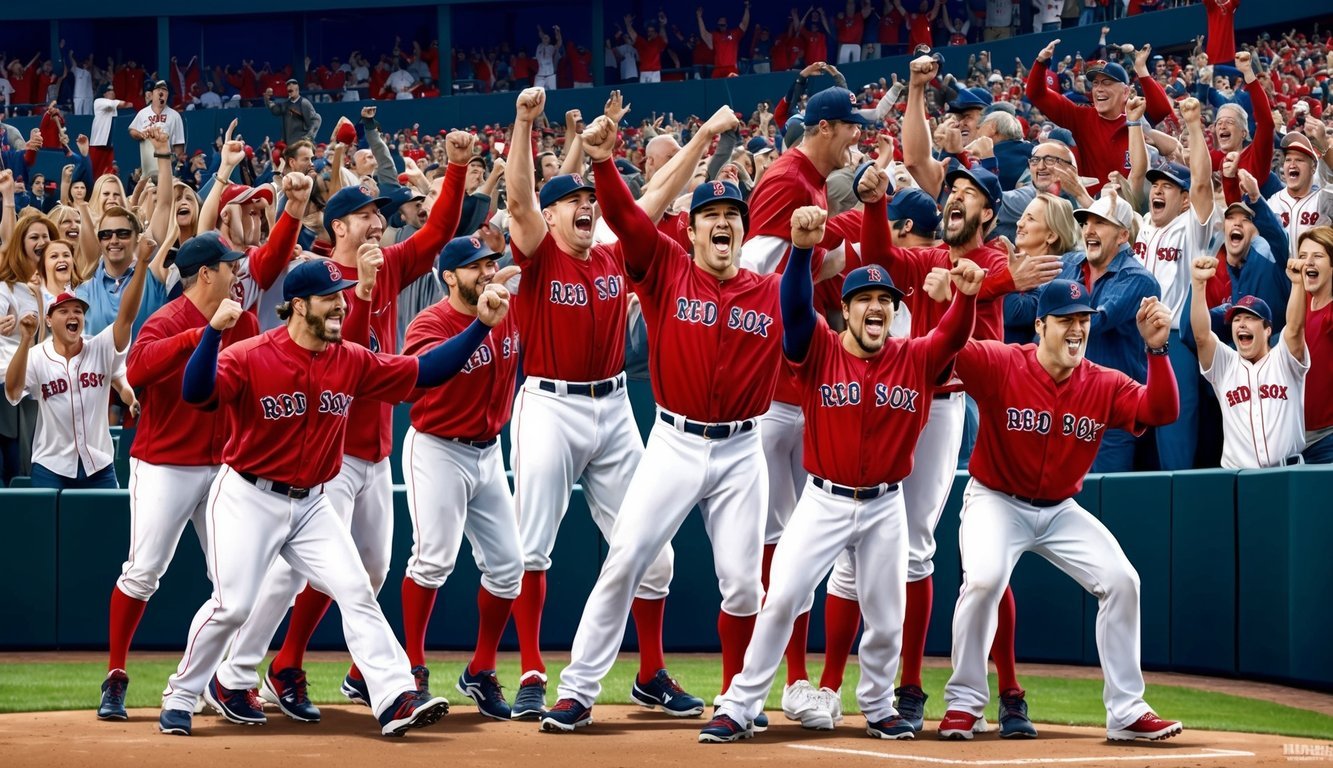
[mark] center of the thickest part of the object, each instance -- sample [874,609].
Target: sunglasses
[121,234]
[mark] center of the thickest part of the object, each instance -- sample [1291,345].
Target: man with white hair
[1011,149]
[1231,127]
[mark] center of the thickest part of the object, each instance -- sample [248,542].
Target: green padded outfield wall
[28,602]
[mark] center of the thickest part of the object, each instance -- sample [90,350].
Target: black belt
[1036,502]
[709,431]
[596,389]
[282,489]
[473,443]
[860,494]
[942,395]
[1292,460]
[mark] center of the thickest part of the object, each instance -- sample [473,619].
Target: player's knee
[505,581]
[984,586]
[918,569]
[139,584]
[741,597]
[1124,581]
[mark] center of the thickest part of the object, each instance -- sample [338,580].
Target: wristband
[163,155]
[1159,352]
[1132,123]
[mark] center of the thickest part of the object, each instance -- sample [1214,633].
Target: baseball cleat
[891,728]
[797,699]
[825,711]
[957,725]
[422,675]
[484,688]
[241,706]
[113,696]
[760,723]
[910,701]
[412,710]
[722,729]
[663,691]
[1014,720]
[175,722]
[1150,727]
[530,703]
[356,691]
[287,689]
[565,716]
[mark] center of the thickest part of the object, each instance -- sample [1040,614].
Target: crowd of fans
[1131,140]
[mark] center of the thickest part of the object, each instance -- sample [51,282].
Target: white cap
[1121,215]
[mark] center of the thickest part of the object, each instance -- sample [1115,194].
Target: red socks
[309,608]
[735,632]
[648,625]
[492,616]
[915,625]
[125,615]
[800,635]
[842,619]
[528,620]
[418,602]
[1002,649]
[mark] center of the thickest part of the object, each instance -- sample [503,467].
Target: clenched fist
[967,276]
[1135,107]
[493,303]
[936,285]
[807,226]
[458,147]
[226,315]
[924,69]
[1191,111]
[873,186]
[1202,269]
[599,139]
[723,120]
[296,188]
[1154,321]
[531,102]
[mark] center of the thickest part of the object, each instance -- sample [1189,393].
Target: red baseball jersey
[374,324]
[289,406]
[572,312]
[851,402]
[726,47]
[1038,437]
[475,404]
[650,53]
[169,430]
[1319,381]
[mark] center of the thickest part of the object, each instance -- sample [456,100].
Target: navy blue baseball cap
[462,251]
[913,205]
[1063,297]
[970,98]
[1173,172]
[987,181]
[867,277]
[833,104]
[398,197]
[317,277]
[758,145]
[718,191]
[562,186]
[1253,305]
[1109,69]
[347,200]
[204,250]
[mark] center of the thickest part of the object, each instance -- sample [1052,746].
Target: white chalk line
[1154,757]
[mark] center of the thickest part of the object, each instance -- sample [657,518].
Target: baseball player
[1181,221]
[177,449]
[455,475]
[572,416]
[1300,204]
[974,198]
[70,377]
[1043,410]
[295,385]
[859,382]
[362,493]
[711,325]
[1261,391]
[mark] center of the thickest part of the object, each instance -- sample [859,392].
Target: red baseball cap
[65,298]
[240,193]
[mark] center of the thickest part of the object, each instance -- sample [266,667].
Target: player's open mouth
[1293,174]
[1158,205]
[583,222]
[1073,345]
[1311,273]
[955,215]
[1092,242]
[874,325]
[1236,236]
[722,242]
[1244,337]
[72,326]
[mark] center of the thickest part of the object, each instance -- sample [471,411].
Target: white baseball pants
[782,429]
[455,489]
[163,498]
[872,534]
[925,492]
[362,498]
[726,478]
[558,439]
[996,530]
[248,530]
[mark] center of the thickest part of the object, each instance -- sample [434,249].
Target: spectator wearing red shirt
[24,80]
[814,39]
[523,68]
[46,78]
[128,80]
[918,21]
[1221,30]
[650,46]
[851,26]
[1314,252]
[891,29]
[245,81]
[724,43]
[579,59]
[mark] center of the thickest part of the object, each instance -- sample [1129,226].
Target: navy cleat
[565,716]
[241,706]
[412,710]
[663,691]
[356,691]
[910,701]
[287,689]
[530,703]
[722,730]
[484,688]
[1014,720]
[895,727]
[175,722]
[113,696]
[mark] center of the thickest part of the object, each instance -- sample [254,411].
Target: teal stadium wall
[1234,569]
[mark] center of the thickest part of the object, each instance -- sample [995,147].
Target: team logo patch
[851,98]
[1075,291]
[875,275]
[335,274]
[1248,301]
[719,189]
[365,190]
[476,243]
[578,179]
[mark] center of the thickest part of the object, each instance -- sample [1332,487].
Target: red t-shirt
[476,403]
[918,30]
[850,402]
[650,53]
[891,28]
[1037,437]
[1319,381]
[726,46]
[850,29]
[1221,43]
[815,46]
[170,431]
[289,406]
[780,55]
[374,324]
[571,312]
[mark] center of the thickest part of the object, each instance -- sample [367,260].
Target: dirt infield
[620,736]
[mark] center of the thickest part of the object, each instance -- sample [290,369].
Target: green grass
[55,686]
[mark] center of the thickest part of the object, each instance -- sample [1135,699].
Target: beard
[964,234]
[321,330]
[470,294]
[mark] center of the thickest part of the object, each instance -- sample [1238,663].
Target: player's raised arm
[916,132]
[123,328]
[797,290]
[444,361]
[671,178]
[1202,270]
[201,371]
[1201,164]
[527,228]
[1293,335]
[1161,403]
[630,223]
[946,340]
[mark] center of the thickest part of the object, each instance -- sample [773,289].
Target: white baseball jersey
[74,395]
[1167,251]
[1263,405]
[1298,215]
[545,56]
[15,301]
[104,111]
